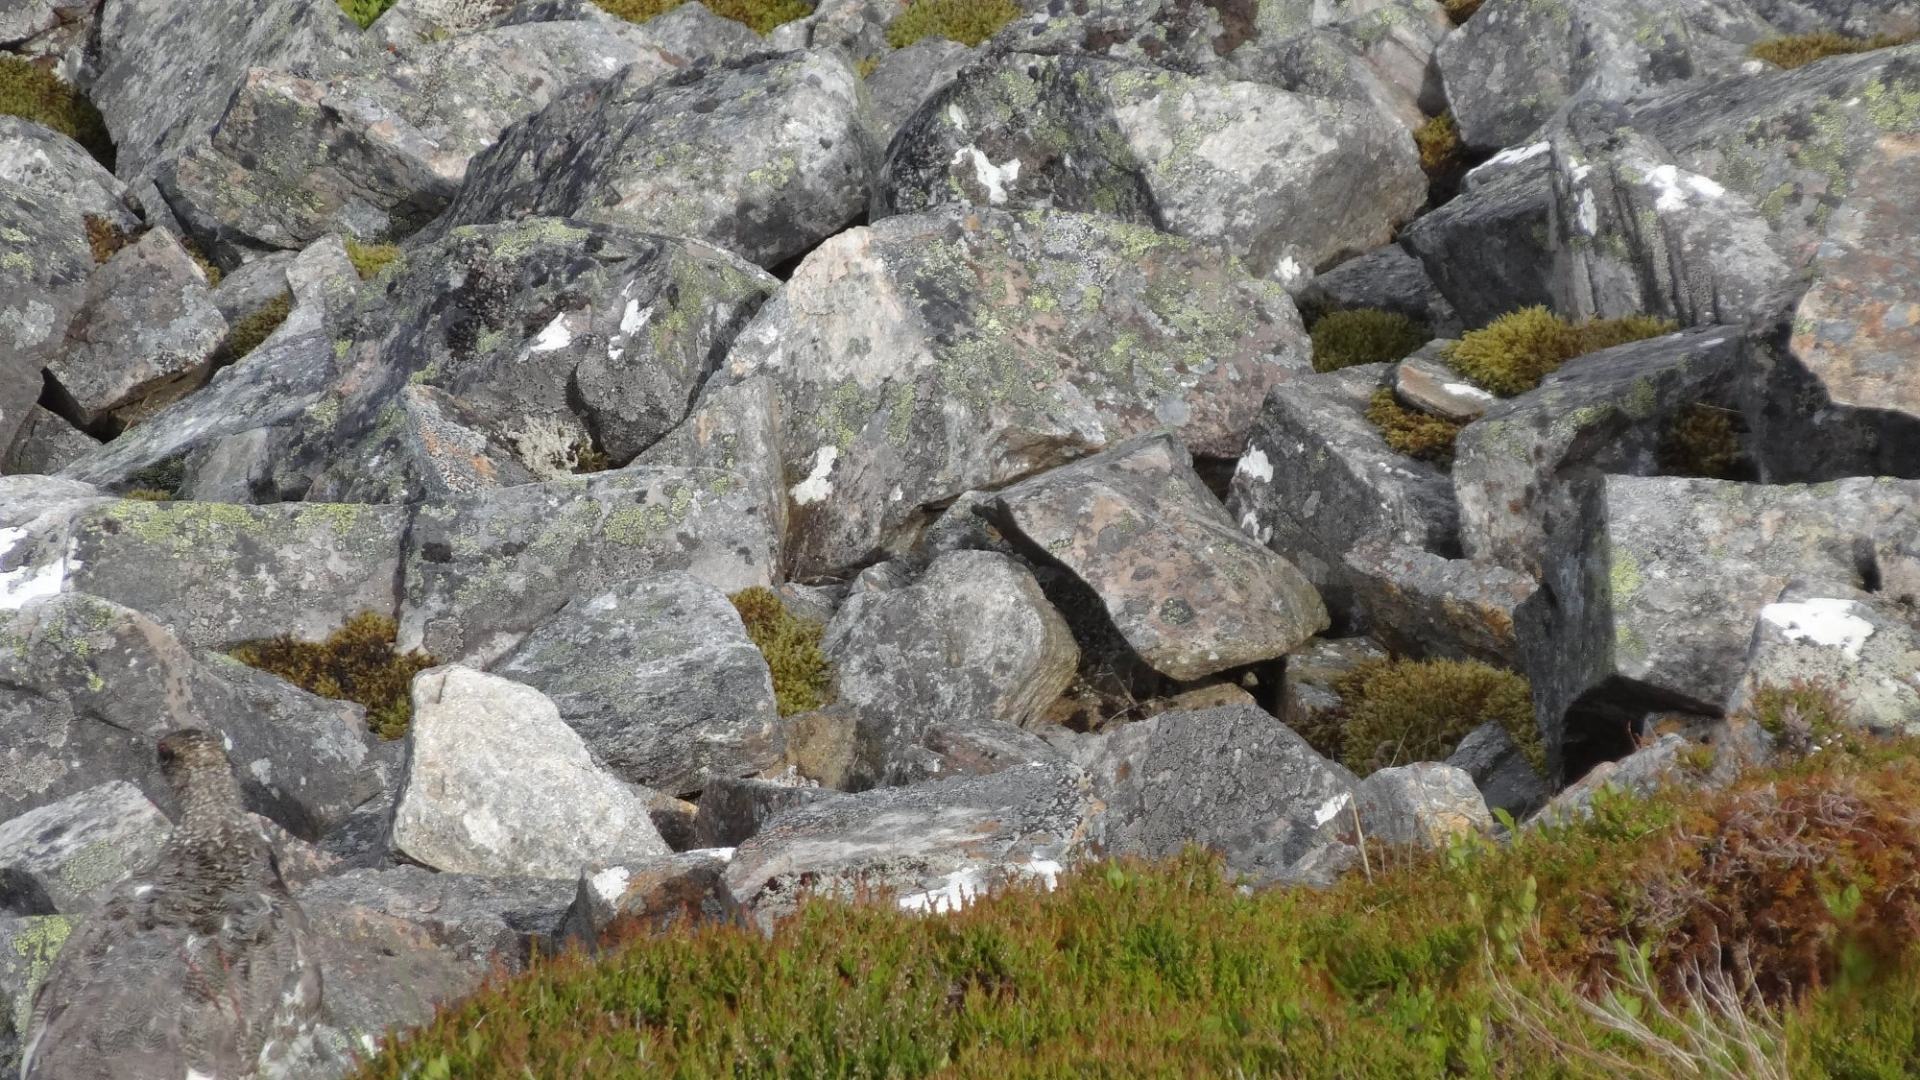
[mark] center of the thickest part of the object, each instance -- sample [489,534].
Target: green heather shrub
[1394,712]
[968,22]
[761,15]
[369,259]
[802,678]
[1363,336]
[1514,352]
[1485,960]
[1799,50]
[35,93]
[1439,143]
[365,11]
[1412,432]
[356,663]
[247,334]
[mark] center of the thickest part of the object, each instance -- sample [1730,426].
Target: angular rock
[1857,18]
[482,571]
[1489,250]
[737,428]
[46,444]
[1421,604]
[65,857]
[1424,381]
[904,78]
[410,23]
[1191,594]
[676,892]
[973,641]
[47,164]
[496,783]
[934,846]
[44,266]
[659,678]
[935,354]
[1425,805]
[1234,780]
[1506,779]
[765,156]
[1866,652]
[1308,700]
[950,748]
[823,745]
[1388,278]
[1288,182]
[1642,772]
[732,810]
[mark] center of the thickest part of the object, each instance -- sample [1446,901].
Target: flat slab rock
[65,857]
[1191,593]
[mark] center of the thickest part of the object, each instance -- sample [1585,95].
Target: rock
[46,444]
[672,893]
[1421,604]
[961,747]
[1506,779]
[764,156]
[411,23]
[972,641]
[145,333]
[1308,700]
[65,857]
[483,570]
[1865,651]
[1858,19]
[904,78]
[1190,593]
[935,354]
[931,846]
[1489,251]
[496,783]
[660,680]
[1525,471]
[1288,182]
[1389,279]
[1424,381]
[49,165]
[823,746]
[1424,805]
[1317,479]
[737,428]
[689,31]
[1234,780]
[732,810]
[28,947]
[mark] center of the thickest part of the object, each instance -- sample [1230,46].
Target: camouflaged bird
[198,970]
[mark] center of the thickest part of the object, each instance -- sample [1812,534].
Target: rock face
[660,680]
[496,783]
[1190,593]
[66,857]
[1860,649]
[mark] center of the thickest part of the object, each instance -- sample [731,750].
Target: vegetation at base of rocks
[207,266]
[35,93]
[247,334]
[1799,50]
[1702,441]
[1394,712]
[1800,716]
[1461,10]
[1511,354]
[802,677]
[968,22]
[162,477]
[356,663]
[761,15]
[1412,432]
[1344,339]
[1439,143]
[105,239]
[588,458]
[369,259]
[365,11]
[146,494]
[1767,927]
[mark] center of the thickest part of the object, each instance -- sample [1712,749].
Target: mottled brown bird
[200,969]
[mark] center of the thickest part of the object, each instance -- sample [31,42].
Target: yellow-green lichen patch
[357,663]
[37,944]
[968,22]
[1623,576]
[1799,50]
[33,92]
[802,677]
[761,15]
[364,12]
[370,259]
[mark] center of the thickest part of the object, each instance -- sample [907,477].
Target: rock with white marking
[1867,652]
[1488,251]
[1424,381]
[66,856]
[673,892]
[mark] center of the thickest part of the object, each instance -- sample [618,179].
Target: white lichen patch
[1674,189]
[1256,465]
[611,884]
[1823,621]
[31,581]
[995,178]
[816,487]
[1329,809]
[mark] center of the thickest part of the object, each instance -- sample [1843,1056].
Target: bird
[202,968]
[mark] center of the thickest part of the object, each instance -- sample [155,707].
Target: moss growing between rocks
[369,259]
[1799,50]
[247,334]
[356,663]
[761,15]
[35,93]
[207,266]
[1394,712]
[365,11]
[1702,441]
[802,678]
[1363,336]
[1461,10]
[968,22]
[1513,353]
[1411,432]
[105,239]
[1439,143]
[144,494]
[162,478]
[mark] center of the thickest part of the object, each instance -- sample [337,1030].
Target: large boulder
[1490,251]
[1426,805]
[938,353]
[65,857]
[1862,649]
[44,266]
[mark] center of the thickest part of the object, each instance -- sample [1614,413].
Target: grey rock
[689,31]
[497,784]
[1190,593]
[671,893]
[660,680]
[1489,251]
[1865,651]
[1235,780]
[411,23]
[46,444]
[1308,700]
[67,856]
[49,165]
[1421,604]
[1859,18]
[251,285]
[960,747]
[905,382]
[1192,38]
[732,810]
[1424,381]
[1426,805]
[1388,278]
[857,27]
[906,77]
[44,267]
[1507,780]
[736,428]
[764,156]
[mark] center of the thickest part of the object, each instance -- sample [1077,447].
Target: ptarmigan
[200,969]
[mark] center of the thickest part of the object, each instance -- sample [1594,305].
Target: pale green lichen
[37,944]
[1623,576]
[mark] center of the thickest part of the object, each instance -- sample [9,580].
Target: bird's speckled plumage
[200,967]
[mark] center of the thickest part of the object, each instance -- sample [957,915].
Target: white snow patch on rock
[816,486]
[994,178]
[555,336]
[1256,465]
[1822,621]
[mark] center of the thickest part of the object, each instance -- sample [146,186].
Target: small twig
[1361,836]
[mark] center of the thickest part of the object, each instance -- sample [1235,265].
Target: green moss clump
[207,266]
[1394,712]
[588,458]
[761,15]
[356,663]
[164,478]
[35,93]
[802,677]
[365,11]
[247,334]
[1439,143]
[144,494]
[1799,50]
[369,259]
[1461,10]
[968,22]
[105,239]
[1412,432]
[1513,353]
[1363,336]
[1701,441]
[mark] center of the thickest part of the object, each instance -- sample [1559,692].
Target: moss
[247,334]
[802,678]
[1411,432]
[207,266]
[1702,441]
[1394,712]
[105,239]
[162,477]
[1800,715]
[1513,353]
[968,22]
[365,11]
[761,15]
[356,663]
[35,93]
[1363,336]
[586,457]
[1799,50]
[1461,10]
[369,259]
[1439,143]
[146,494]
